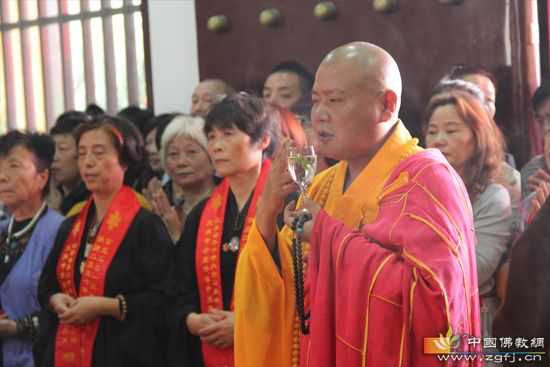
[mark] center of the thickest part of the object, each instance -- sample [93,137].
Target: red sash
[207,257]
[74,344]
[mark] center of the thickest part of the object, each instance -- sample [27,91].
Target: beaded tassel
[298,263]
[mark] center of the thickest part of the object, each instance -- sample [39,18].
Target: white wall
[174,55]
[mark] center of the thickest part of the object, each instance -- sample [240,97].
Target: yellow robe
[266,328]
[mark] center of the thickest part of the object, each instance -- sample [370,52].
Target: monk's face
[346,111]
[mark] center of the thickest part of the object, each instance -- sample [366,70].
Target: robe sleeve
[48,285]
[264,303]
[493,228]
[155,263]
[402,299]
[183,296]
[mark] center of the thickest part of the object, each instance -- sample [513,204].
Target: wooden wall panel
[425,37]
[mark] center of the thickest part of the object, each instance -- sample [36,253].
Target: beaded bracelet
[122,307]
[27,326]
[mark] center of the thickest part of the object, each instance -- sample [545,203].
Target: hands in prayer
[215,328]
[82,309]
[163,208]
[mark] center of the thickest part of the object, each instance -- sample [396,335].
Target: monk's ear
[390,105]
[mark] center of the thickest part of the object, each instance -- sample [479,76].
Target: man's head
[64,167]
[480,77]
[541,106]
[287,83]
[356,100]
[206,94]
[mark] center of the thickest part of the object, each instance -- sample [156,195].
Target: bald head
[369,63]
[206,94]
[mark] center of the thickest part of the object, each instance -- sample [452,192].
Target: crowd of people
[170,240]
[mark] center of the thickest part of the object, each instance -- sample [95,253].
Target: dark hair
[40,145]
[94,110]
[305,77]
[542,93]
[125,137]
[138,116]
[248,113]
[160,122]
[486,162]
[67,122]
[460,70]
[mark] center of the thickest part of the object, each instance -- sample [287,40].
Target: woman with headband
[103,284]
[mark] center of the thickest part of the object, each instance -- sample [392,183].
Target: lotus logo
[442,345]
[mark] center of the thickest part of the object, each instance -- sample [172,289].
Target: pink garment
[374,296]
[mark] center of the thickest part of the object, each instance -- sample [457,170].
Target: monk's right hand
[279,184]
[61,302]
[277,187]
[313,209]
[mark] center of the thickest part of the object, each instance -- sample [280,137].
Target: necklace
[235,241]
[90,239]
[12,237]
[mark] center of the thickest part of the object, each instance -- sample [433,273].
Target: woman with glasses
[102,287]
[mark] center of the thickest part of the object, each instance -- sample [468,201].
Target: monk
[392,257]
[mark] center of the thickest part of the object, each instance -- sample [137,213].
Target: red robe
[410,274]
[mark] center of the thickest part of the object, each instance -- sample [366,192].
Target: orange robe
[266,332]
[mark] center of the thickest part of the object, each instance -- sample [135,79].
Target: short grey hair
[185,125]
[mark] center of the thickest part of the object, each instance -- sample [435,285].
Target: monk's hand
[219,334]
[61,302]
[313,209]
[278,185]
[198,321]
[86,309]
[536,178]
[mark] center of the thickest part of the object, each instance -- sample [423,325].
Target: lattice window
[59,55]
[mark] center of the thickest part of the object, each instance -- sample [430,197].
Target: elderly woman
[460,127]
[239,130]
[104,280]
[25,240]
[186,161]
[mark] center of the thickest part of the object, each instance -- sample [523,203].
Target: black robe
[140,271]
[525,311]
[185,348]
